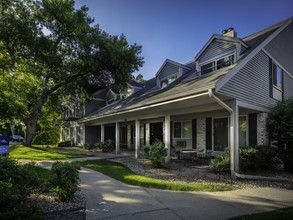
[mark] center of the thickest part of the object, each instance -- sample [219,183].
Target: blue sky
[178,29]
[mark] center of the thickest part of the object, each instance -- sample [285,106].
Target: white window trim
[181,138]
[168,77]
[215,59]
[274,86]
[213,136]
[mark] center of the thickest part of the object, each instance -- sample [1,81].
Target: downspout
[234,173]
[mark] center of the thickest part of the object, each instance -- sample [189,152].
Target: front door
[220,134]
[156,132]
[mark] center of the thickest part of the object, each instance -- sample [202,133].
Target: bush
[64,179]
[90,146]
[17,182]
[64,144]
[107,146]
[156,153]
[280,125]
[250,159]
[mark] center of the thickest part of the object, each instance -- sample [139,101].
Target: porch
[197,122]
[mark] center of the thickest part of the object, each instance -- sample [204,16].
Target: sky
[178,29]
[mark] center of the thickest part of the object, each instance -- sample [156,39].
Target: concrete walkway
[107,198]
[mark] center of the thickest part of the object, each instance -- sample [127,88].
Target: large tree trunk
[31,122]
[31,125]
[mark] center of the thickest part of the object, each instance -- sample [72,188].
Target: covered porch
[199,122]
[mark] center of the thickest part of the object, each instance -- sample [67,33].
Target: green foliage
[221,164]
[17,182]
[250,159]
[124,174]
[64,179]
[156,153]
[51,49]
[64,144]
[107,146]
[280,125]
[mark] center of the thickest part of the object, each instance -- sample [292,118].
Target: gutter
[143,107]
[234,159]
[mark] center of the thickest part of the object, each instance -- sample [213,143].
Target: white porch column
[82,134]
[234,137]
[137,138]
[117,132]
[167,136]
[102,133]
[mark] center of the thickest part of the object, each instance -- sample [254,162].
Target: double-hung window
[182,130]
[276,81]
[217,64]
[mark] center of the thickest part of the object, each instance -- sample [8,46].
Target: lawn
[40,153]
[286,213]
[124,174]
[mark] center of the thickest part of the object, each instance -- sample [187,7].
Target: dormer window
[110,97]
[217,64]
[165,82]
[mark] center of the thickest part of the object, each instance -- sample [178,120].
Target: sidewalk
[107,198]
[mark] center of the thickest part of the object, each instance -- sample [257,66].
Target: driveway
[107,198]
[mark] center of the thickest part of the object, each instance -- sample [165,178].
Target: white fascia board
[276,62]
[260,47]
[252,106]
[143,107]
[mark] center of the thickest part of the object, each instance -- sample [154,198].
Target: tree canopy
[51,48]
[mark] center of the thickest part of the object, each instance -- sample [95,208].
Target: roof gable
[172,64]
[216,37]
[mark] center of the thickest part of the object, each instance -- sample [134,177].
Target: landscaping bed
[190,173]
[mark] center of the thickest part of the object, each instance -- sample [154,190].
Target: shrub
[280,125]
[90,146]
[64,144]
[107,146]
[17,182]
[221,164]
[64,179]
[250,159]
[156,153]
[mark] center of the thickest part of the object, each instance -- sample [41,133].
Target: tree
[280,125]
[139,78]
[60,47]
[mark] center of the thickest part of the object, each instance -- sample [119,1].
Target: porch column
[102,133]
[117,131]
[234,137]
[82,134]
[137,138]
[167,136]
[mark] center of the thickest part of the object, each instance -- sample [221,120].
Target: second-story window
[277,76]
[165,82]
[217,64]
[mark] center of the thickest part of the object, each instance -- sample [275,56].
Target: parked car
[4,145]
[17,138]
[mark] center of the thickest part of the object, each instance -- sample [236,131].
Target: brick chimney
[230,32]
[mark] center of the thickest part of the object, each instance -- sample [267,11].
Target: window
[182,129]
[277,76]
[168,80]
[243,131]
[218,64]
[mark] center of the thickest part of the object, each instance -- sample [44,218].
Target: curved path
[107,198]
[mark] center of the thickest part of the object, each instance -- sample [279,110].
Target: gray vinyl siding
[168,70]
[251,83]
[288,86]
[216,48]
[281,48]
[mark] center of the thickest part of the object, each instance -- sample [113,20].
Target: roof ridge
[265,30]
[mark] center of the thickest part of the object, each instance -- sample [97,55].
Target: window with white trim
[165,82]
[217,64]
[277,76]
[182,130]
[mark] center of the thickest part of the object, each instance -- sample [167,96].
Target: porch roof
[187,85]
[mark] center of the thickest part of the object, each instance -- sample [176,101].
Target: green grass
[43,174]
[124,174]
[39,153]
[286,214]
